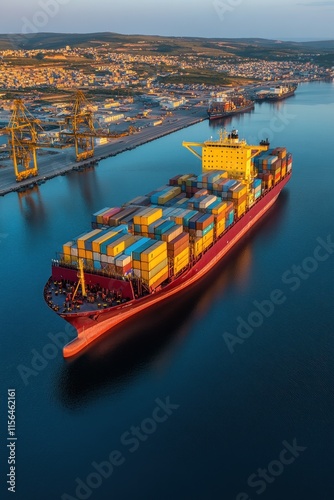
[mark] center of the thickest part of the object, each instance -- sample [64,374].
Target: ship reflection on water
[150,342]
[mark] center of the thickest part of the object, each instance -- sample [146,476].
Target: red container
[173,180]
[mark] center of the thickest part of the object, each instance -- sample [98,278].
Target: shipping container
[171,233]
[157,248]
[119,245]
[82,238]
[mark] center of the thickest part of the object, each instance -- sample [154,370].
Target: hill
[258,48]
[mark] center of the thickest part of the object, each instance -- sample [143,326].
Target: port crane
[22,134]
[77,128]
[80,125]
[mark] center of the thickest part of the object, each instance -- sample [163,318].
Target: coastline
[52,168]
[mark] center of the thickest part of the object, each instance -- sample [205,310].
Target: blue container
[193,220]
[213,205]
[97,264]
[151,227]
[228,185]
[94,216]
[256,183]
[188,216]
[132,248]
[208,229]
[88,243]
[103,246]
[164,227]
[136,254]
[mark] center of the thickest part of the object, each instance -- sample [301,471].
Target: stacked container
[178,252]
[150,262]
[256,188]
[164,196]
[229,215]
[144,218]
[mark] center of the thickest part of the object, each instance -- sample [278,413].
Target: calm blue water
[232,413]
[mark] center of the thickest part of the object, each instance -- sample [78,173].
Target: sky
[273,19]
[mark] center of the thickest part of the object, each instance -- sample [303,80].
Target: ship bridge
[228,153]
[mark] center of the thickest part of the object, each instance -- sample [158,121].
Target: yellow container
[98,242]
[220,227]
[207,243]
[119,245]
[219,208]
[178,258]
[67,247]
[136,264]
[83,238]
[238,194]
[157,277]
[148,275]
[241,209]
[81,253]
[148,266]
[184,178]
[221,224]
[148,217]
[99,218]
[198,246]
[153,251]
[208,236]
[181,265]
[89,255]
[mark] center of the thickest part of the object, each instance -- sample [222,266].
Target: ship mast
[81,280]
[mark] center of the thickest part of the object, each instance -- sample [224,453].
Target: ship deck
[58,295]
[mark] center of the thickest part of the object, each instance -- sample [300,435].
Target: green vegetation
[255,48]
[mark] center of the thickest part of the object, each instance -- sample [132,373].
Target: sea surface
[227,394]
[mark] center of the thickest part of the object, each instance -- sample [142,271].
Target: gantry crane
[80,125]
[22,134]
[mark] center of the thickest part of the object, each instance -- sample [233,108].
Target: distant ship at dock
[276,93]
[224,106]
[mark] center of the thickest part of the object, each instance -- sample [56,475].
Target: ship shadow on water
[150,341]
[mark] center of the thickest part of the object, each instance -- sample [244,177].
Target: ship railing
[61,262]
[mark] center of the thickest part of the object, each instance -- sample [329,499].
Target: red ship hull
[92,326]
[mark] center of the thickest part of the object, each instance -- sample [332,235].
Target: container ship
[276,93]
[222,107]
[138,255]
